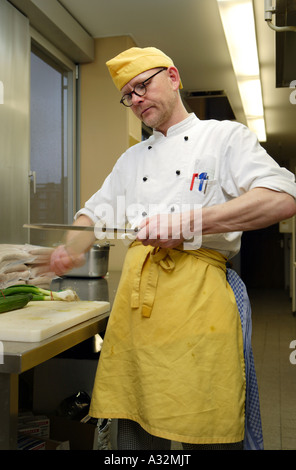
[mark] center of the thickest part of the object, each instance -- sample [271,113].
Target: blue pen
[202,177]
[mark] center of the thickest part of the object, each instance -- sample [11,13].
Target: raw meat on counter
[25,264]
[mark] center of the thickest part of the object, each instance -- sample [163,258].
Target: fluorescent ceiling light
[250,91]
[239,27]
[257,125]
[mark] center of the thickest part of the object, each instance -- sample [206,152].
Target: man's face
[156,107]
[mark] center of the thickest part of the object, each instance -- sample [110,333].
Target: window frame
[42,47]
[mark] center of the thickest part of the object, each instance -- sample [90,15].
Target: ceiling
[190,31]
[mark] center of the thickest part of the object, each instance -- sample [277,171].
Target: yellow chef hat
[130,63]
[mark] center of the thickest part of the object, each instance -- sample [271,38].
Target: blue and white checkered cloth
[253,429]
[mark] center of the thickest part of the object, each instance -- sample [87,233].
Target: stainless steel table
[19,357]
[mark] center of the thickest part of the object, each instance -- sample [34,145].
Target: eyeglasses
[139,90]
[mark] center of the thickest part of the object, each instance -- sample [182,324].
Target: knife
[80,228]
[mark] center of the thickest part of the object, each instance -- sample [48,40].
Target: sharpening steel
[80,228]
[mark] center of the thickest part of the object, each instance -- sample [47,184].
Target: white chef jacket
[162,175]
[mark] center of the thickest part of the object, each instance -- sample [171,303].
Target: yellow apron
[172,358]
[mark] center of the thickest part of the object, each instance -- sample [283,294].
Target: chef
[172,366]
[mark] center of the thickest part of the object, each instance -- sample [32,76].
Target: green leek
[38,293]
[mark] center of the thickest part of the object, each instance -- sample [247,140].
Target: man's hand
[62,261]
[166,230]
[71,254]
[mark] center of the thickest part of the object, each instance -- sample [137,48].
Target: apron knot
[162,257]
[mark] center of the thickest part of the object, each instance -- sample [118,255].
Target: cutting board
[39,320]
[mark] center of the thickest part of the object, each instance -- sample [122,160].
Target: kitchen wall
[107,128]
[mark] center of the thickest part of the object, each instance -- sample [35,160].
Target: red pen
[195,175]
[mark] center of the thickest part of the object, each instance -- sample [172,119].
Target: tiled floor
[274,327]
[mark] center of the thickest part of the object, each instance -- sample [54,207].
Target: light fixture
[239,27]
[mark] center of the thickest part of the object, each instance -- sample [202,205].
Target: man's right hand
[71,254]
[62,261]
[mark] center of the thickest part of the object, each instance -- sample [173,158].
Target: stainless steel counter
[19,356]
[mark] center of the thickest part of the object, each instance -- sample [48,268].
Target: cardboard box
[30,430]
[34,434]
[81,436]
[50,444]
[34,425]
[25,442]
[41,422]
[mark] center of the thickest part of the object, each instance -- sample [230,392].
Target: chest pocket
[201,186]
[207,194]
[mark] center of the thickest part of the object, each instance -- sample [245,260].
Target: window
[52,144]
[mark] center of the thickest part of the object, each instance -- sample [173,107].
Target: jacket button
[149,148]
[186,137]
[178,172]
[145,178]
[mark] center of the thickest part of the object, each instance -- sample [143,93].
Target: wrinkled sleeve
[246,165]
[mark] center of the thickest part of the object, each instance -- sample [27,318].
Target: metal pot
[96,262]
